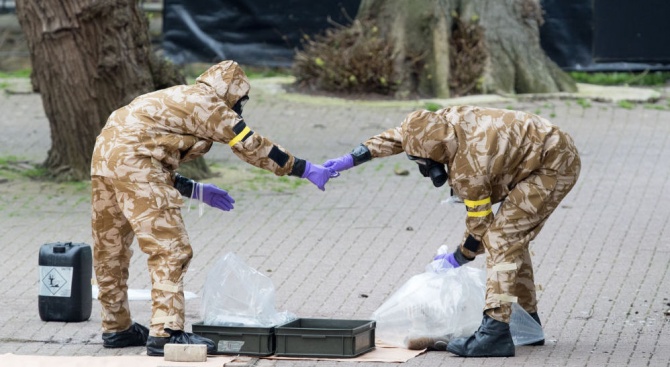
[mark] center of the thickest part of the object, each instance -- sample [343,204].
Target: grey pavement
[601,261]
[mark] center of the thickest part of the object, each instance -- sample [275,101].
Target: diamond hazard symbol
[54,281]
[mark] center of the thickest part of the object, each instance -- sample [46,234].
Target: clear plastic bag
[437,305]
[523,328]
[237,295]
[444,303]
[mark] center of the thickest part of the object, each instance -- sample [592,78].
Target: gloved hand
[213,196]
[448,260]
[341,163]
[318,175]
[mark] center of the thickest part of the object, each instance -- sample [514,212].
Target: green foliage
[626,104]
[12,167]
[432,106]
[23,73]
[584,102]
[652,106]
[645,78]
[265,72]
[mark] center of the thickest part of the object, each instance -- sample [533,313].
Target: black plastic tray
[325,338]
[253,341]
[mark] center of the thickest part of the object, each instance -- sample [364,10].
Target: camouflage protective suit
[132,173]
[514,158]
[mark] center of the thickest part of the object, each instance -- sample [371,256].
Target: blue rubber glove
[447,260]
[213,196]
[318,175]
[340,164]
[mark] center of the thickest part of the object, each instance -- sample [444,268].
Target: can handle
[60,248]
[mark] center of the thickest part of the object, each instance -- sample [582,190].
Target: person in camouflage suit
[516,159]
[137,192]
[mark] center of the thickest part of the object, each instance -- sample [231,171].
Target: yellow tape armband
[474,203]
[480,214]
[239,136]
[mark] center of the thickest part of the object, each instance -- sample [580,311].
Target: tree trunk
[88,58]
[421,30]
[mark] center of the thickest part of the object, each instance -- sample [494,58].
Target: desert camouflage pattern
[146,140]
[133,163]
[514,158]
[151,211]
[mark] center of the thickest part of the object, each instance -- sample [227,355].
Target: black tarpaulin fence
[589,35]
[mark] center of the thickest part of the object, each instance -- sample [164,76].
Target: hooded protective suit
[132,175]
[146,140]
[514,158]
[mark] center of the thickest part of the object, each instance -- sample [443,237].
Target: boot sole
[155,352]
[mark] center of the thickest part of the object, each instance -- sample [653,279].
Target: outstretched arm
[385,144]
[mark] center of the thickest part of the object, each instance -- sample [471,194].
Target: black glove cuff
[184,185]
[472,244]
[361,154]
[460,258]
[299,166]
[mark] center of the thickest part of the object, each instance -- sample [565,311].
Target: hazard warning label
[55,281]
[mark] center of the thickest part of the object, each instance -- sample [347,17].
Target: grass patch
[626,104]
[255,72]
[194,70]
[584,103]
[645,78]
[651,106]
[432,106]
[23,73]
[248,178]
[12,167]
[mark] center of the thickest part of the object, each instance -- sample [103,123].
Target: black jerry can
[65,271]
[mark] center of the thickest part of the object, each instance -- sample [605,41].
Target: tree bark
[421,29]
[89,57]
[517,63]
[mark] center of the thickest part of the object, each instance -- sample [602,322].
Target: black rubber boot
[135,336]
[156,344]
[536,317]
[492,339]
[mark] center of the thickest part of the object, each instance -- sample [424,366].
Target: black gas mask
[430,168]
[240,104]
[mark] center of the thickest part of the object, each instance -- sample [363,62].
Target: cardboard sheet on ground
[381,353]
[16,360]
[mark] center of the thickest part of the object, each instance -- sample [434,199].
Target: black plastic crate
[325,338]
[253,341]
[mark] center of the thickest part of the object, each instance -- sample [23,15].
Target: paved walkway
[601,261]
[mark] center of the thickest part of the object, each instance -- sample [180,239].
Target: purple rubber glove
[213,196]
[447,259]
[340,164]
[318,175]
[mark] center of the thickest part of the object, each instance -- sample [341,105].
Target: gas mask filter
[430,168]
